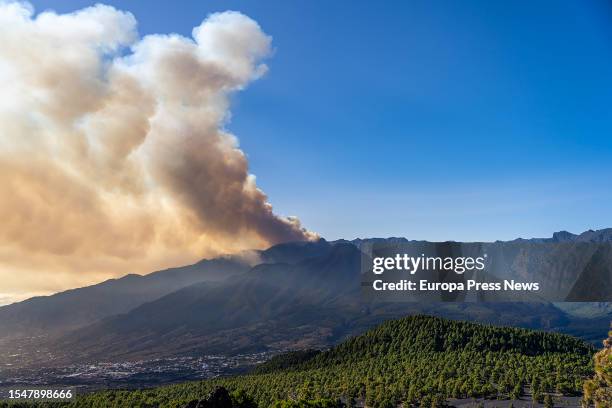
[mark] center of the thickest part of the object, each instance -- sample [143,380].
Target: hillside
[291,296]
[313,303]
[267,306]
[75,308]
[402,361]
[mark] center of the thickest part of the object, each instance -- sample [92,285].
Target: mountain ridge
[75,307]
[274,306]
[304,294]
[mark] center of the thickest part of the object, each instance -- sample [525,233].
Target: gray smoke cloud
[114,156]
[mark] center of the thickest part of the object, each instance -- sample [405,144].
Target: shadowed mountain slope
[299,295]
[78,307]
[315,302]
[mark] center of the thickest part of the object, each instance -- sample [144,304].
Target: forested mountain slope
[410,360]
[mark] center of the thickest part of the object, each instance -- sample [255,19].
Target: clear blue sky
[462,120]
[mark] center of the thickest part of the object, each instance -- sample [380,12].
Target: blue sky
[439,120]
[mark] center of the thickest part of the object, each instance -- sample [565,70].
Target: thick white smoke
[113,153]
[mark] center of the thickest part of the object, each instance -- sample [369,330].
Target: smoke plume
[114,156]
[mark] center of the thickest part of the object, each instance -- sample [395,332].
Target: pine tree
[548,401]
[598,390]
